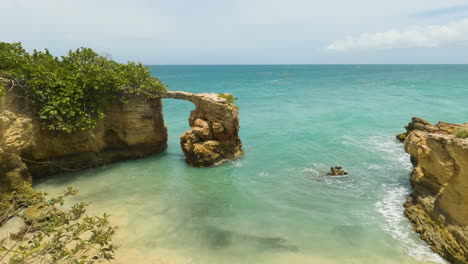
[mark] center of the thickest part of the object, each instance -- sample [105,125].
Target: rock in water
[337,171]
[214,133]
[401,137]
[438,206]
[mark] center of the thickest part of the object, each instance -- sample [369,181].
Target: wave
[399,227]
[387,147]
[237,163]
[391,205]
[312,171]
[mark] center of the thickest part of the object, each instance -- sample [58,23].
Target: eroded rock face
[26,150]
[214,133]
[128,131]
[438,206]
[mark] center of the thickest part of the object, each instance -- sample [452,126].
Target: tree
[69,93]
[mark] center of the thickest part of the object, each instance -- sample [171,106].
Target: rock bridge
[127,131]
[214,133]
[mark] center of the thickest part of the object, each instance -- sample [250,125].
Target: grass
[229,98]
[461,133]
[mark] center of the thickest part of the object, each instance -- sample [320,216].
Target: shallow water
[274,205]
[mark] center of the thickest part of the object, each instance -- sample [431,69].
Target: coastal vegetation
[461,133]
[229,98]
[51,234]
[68,93]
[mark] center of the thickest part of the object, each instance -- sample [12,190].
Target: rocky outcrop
[337,171]
[438,206]
[128,131]
[27,150]
[214,133]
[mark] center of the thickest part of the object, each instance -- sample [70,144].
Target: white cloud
[413,37]
[205,31]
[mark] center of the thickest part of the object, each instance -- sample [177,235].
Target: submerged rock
[438,206]
[337,171]
[220,238]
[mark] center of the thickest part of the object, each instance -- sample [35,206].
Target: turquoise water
[274,205]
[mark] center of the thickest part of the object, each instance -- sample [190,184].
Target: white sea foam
[396,224]
[312,171]
[391,206]
[385,146]
[236,163]
[375,167]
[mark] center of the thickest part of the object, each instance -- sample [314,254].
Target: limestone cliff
[27,150]
[214,133]
[128,131]
[438,206]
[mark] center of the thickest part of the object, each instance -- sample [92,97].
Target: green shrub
[461,133]
[53,235]
[69,93]
[229,98]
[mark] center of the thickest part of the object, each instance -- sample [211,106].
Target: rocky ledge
[438,206]
[214,133]
[28,151]
[128,131]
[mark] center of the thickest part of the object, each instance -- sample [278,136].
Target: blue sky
[245,31]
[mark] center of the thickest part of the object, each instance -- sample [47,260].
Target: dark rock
[337,171]
[401,137]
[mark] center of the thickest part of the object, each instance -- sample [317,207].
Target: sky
[245,31]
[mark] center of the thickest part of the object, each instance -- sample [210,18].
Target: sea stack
[337,171]
[214,133]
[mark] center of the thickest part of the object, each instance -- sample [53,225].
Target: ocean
[274,205]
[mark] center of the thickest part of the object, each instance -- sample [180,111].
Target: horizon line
[312,64]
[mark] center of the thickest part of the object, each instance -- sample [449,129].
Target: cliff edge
[438,206]
[27,150]
[127,131]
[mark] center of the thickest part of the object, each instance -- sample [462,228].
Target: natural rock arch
[214,133]
[127,131]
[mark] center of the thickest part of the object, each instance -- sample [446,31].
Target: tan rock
[438,206]
[214,136]
[128,131]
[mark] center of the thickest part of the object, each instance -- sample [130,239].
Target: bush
[69,93]
[53,235]
[461,133]
[229,98]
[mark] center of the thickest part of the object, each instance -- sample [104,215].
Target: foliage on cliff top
[69,93]
[461,133]
[229,98]
[53,235]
